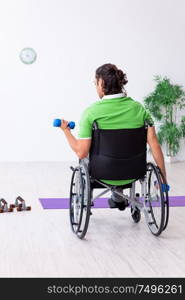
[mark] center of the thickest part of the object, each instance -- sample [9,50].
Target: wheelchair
[118,155]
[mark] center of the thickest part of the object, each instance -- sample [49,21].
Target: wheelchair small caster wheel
[136,214]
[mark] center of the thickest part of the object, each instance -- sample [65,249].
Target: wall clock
[28,56]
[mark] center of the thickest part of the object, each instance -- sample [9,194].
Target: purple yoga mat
[63,203]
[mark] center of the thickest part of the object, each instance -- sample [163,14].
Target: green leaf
[164,103]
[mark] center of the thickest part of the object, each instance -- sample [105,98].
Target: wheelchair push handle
[58,122]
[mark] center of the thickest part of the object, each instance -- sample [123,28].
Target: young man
[114,110]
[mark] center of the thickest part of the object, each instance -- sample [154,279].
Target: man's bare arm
[80,146]
[156,149]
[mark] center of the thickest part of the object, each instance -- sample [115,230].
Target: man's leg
[115,197]
[117,201]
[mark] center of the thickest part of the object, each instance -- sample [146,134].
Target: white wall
[72,38]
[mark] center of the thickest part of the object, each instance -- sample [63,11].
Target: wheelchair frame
[81,199]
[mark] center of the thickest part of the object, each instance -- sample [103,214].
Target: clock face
[28,56]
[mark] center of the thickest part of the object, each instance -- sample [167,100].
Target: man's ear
[101,83]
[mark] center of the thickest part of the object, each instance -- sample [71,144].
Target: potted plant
[164,104]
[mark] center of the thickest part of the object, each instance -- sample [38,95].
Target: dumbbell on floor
[4,206]
[20,204]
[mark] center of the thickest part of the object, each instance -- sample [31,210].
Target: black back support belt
[118,154]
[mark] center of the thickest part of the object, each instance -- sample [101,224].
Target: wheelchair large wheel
[166,201]
[156,202]
[80,200]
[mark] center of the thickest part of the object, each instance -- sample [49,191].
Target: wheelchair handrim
[85,209]
[72,221]
[166,203]
[156,224]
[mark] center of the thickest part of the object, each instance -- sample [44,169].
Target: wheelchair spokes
[76,198]
[80,202]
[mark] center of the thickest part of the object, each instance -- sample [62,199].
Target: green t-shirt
[113,112]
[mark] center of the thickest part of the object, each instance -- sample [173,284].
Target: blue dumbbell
[165,187]
[58,122]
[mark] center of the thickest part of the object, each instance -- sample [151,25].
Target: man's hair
[113,79]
